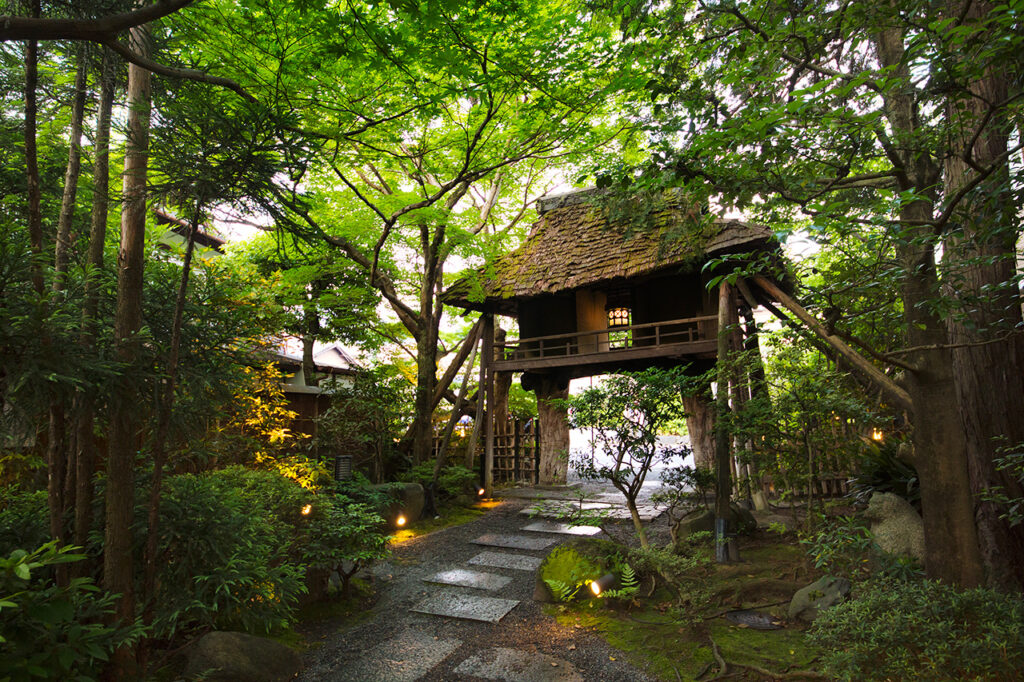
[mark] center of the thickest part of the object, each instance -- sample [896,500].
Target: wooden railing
[652,334]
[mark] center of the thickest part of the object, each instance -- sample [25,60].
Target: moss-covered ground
[657,640]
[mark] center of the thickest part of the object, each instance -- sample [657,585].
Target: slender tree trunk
[442,450]
[35,217]
[723,479]
[124,419]
[85,458]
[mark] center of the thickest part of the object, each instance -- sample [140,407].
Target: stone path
[455,629]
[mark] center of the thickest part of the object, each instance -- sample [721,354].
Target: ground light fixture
[876,435]
[400,520]
[602,584]
[307,510]
[481,492]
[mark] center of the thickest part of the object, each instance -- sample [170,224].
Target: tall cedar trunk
[553,422]
[59,447]
[951,540]
[988,352]
[85,457]
[700,423]
[34,217]
[124,415]
[502,385]
[163,428]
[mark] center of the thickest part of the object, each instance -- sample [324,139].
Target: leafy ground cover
[656,639]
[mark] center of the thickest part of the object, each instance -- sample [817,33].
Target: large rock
[238,657]
[740,521]
[406,498]
[821,594]
[896,526]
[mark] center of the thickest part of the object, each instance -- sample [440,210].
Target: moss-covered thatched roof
[579,243]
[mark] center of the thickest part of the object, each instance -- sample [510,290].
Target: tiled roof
[576,245]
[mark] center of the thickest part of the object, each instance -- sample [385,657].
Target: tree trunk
[553,422]
[723,479]
[124,415]
[951,539]
[979,273]
[700,423]
[85,457]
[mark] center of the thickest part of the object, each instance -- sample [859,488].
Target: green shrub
[454,480]
[50,632]
[228,555]
[24,520]
[565,571]
[882,471]
[925,630]
[684,571]
[344,536]
[841,546]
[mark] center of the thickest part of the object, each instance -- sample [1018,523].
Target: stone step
[556,509]
[518,562]
[406,657]
[451,604]
[511,665]
[561,528]
[514,541]
[464,577]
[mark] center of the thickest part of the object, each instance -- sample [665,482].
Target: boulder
[821,594]
[238,657]
[896,526]
[407,499]
[740,521]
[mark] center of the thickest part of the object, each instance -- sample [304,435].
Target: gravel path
[397,645]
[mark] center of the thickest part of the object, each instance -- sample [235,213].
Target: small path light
[481,492]
[400,520]
[307,510]
[876,435]
[602,584]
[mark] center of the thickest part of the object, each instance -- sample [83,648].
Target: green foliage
[629,583]
[684,571]
[454,481]
[625,414]
[565,571]
[1010,464]
[895,630]
[881,470]
[23,519]
[841,546]
[50,632]
[366,418]
[343,536]
[683,488]
[228,551]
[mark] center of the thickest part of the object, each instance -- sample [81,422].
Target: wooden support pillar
[725,546]
[488,395]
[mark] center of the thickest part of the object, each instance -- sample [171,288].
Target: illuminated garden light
[876,435]
[605,582]
[480,492]
[400,520]
[307,510]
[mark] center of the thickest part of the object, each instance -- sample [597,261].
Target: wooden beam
[487,359]
[893,391]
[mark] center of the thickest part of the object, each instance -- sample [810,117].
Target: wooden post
[488,393]
[515,450]
[724,545]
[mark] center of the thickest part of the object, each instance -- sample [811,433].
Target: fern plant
[565,571]
[629,584]
[562,591]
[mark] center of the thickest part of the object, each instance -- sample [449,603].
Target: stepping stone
[558,508]
[451,604]
[511,665]
[466,578]
[519,562]
[514,541]
[404,658]
[564,529]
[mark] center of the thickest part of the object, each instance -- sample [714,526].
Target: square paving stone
[404,658]
[514,541]
[450,604]
[561,528]
[464,577]
[519,562]
[511,665]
